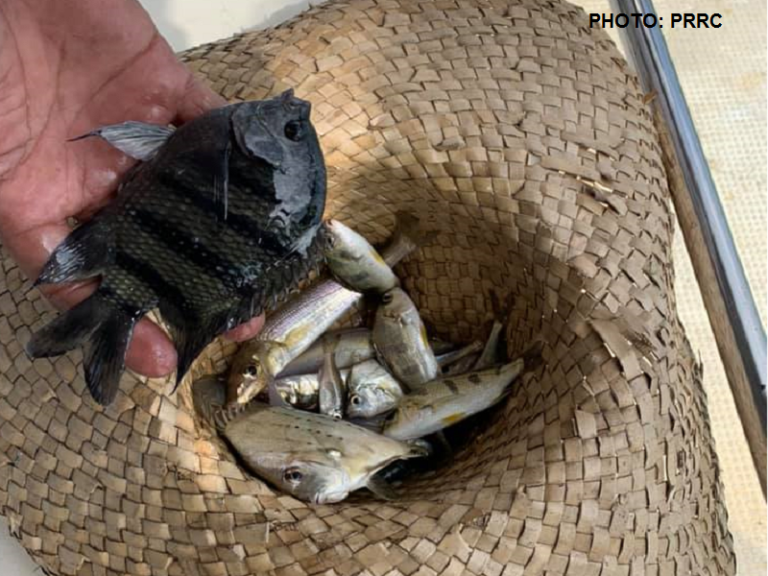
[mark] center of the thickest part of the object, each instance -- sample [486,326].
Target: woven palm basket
[520,134]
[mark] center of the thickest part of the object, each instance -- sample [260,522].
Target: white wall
[187,23]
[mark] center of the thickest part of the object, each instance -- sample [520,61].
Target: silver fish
[300,391]
[353,345]
[332,391]
[441,403]
[310,456]
[299,322]
[286,334]
[355,262]
[372,390]
[401,340]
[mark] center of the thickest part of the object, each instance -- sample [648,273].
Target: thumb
[195,99]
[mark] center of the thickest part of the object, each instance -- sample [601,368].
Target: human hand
[66,68]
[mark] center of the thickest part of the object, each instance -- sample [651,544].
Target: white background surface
[187,23]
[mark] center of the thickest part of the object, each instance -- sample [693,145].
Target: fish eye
[355,400]
[293,475]
[295,130]
[251,370]
[387,298]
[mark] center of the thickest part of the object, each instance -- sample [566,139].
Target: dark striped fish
[217,223]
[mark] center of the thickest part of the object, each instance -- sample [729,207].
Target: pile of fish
[320,413]
[220,219]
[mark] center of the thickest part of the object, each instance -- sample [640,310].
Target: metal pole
[652,61]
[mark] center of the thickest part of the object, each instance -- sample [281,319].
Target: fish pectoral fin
[138,140]
[381,488]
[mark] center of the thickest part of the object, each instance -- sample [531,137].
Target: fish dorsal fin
[138,140]
[227,414]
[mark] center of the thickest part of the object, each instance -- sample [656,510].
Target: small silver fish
[300,391]
[310,456]
[401,340]
[332,391]
[299,322]
[353,345]
[372,390]
[441,403]
[286,334]
[355,262]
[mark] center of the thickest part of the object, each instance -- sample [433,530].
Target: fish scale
[216,224]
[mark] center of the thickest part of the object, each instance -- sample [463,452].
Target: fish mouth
[330,497]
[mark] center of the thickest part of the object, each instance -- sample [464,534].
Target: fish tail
[85,253]
[103,331]
[409,235]
[530,360]
[330,343]
[411,227]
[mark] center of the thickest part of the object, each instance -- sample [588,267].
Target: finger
[245,331]
[196,99]
[150,352]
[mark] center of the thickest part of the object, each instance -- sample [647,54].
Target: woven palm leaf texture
[520,135]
